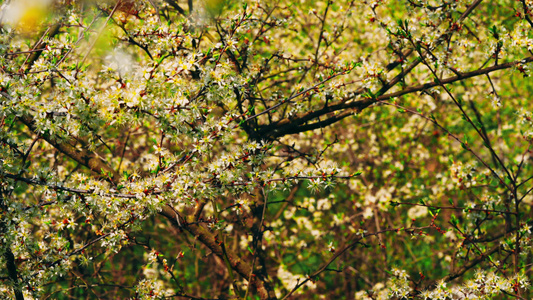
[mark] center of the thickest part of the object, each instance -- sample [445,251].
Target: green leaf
[454,221]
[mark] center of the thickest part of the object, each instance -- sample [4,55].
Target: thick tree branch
[296,124]
[41,45]
[84,157]
[210,240]
[176,6]
[12,272]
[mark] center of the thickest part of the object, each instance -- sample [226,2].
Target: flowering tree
[265,150]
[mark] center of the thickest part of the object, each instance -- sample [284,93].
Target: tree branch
[295,124]
[264,289]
